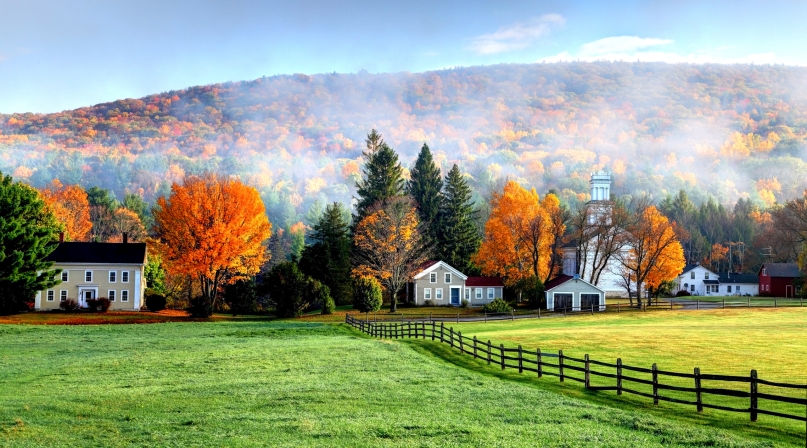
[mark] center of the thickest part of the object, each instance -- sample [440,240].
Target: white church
[581,263]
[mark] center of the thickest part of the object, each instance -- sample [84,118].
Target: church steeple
[600,186]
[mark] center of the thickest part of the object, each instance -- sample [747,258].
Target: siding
[422,284]
[574,287]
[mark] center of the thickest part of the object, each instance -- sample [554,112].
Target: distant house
[698,280]
[573,294]
[776,279]
[94,270]
[444,285]
[736,284]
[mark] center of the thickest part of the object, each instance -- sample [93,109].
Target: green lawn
[243,383]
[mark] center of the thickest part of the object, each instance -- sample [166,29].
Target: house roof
[99,253]
[484,281]
[790,270]
[561,279]
[711,282]
[432,265]
[736,277]
[690,267]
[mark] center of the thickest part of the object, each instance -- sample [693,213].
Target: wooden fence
[622,378]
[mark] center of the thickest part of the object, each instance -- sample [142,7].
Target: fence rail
[581,370]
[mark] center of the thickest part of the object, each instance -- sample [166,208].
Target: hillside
[727,131]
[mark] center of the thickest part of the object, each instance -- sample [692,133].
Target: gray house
[442,284]
[573,294]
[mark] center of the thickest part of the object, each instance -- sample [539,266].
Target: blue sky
[57,55]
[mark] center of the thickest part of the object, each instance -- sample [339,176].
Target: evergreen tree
[382,176]
[328,258]
[458,237]
[424,187]
[27,236]
[97,196]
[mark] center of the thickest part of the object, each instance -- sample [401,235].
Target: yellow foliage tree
[70,206]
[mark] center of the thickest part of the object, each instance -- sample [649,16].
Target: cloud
[634,48]
[516,36]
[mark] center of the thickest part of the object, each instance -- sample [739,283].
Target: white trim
[444,265]
[50,295]
[447,275]
[66,295]
[578,279]
[109,276]
[433,275]
[491,293]
[451,288]
[427,294]
[88,271]
[38,300]
[110,294]
[124,292]
[137,291]
[127,276]
[440,290]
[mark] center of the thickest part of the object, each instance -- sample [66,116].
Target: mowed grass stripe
[288,384]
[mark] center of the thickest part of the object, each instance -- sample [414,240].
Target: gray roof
[711,282]
[735,277]
[100,253]
[788,270]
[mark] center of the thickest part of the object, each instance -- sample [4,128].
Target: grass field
[243,383]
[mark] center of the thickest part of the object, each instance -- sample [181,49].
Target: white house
[699,281]
[444,285]
[573,294]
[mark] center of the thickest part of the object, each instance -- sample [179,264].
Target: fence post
[458,317]
[462,348]
[670,305]
[433,329]
[724,303]
[655,384]
[749,301]
[540,367]
[501,348]
[560,364]
[592,309]
[588,369]
[698,303]
[512,315]
[442,332]
[486,317]
[618,306]
[698,395]
[475,348]
[754,398]
[489,350]
[520,361]
[619,376]
[451,336]
[774,302]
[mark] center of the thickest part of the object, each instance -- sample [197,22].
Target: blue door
[455,296]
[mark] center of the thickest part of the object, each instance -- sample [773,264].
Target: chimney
[125,237]
[61,237]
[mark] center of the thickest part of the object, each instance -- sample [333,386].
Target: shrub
[289,290]
[100,304]
[497,306]
[200,307]
[69,305]
[465,303]
[682,293]
[429,302]
[155,302]
[241,296]
[367,294]
[532,289]
[329,306]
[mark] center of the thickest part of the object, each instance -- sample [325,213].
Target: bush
[199,306]
[429,302]
[241,296]
[497,306]
[465,303]
[69,305]
[155,302]
[367,294]
[100,304]
[329,306]
[682,293]
[289,290]
[532,290]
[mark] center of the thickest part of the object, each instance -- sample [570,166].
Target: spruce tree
[382,176]
[27,237]
[424,187]
[328,258]
[458,237]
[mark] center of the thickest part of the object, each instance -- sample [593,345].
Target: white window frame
[737,289]
[438,293]
[728,289]
[427,293]
[110,295]
[491,293]
[706,276]
[692,275]
[124,276]
[88,276]
[51,295]
[124,295]
[113,276]
[432,277]
[478,293]
[764,272]
[467,293]
[447,278]
[62,295]
[65,276]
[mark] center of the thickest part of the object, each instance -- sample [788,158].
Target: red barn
[776,279]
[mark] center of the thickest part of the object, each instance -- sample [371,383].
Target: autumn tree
[382,175]
[71,208]
[424,186]
[559,216]
[125,221]
[655,255]
[212,229]
[458,236]
[390,245]
[518,236]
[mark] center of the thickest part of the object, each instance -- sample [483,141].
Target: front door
[455,296]
[84,295]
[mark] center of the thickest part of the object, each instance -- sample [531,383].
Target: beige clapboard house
[442,284]
[94,270]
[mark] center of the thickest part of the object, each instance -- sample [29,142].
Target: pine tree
[458,237]
[424,187]
[328,258]
[27,237]
[382,176]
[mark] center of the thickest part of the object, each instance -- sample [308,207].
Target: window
[692,275]
[124,276]
[706,276]
[124,296]
[764,272]
[438,293]
[427,293]
[62,295]
[490,293]
[433,277]
[64,276]
[478,293]
[728,288]
[692,288]
[111,295]
[87,276]
[113,276]
[467,293]
[448,277]
[51,296]
[738,288]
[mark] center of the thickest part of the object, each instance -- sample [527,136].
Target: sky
[63,54]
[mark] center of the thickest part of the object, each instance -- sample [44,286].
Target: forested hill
[729,131]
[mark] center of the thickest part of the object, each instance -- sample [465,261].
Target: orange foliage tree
[70,207]
[127,221]
[655,254]
[212,228]
[519,235]
[390,245]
